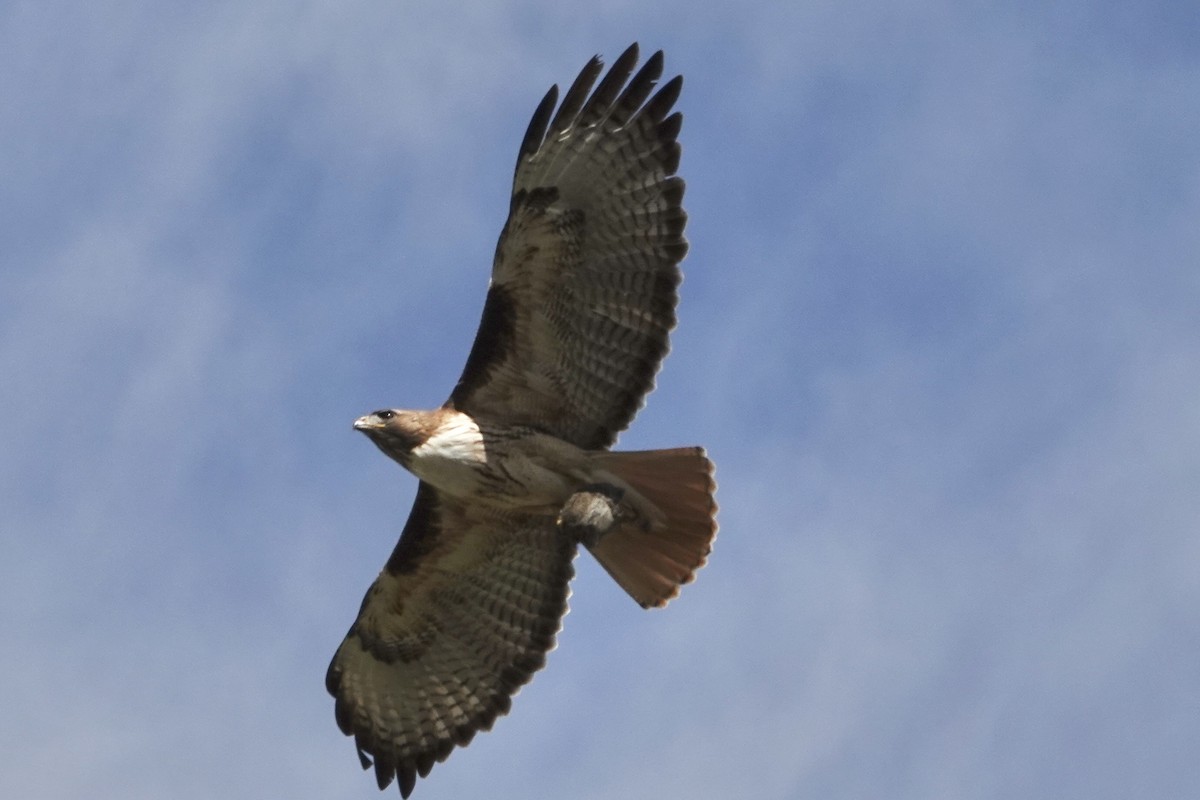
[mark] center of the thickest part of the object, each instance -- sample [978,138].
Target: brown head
[396,432]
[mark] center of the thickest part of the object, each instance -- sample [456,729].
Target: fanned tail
[651,563]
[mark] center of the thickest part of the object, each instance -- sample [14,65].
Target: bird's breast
[511,468]
[451,457]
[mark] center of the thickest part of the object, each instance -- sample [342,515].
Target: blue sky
[938,330]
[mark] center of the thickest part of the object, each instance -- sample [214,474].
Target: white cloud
[937,329]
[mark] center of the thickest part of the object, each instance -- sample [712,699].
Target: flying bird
[515,468]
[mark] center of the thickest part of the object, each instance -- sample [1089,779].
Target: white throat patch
[457,439]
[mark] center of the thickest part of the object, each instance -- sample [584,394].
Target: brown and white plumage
[583,289]
[514,468]
[459,619]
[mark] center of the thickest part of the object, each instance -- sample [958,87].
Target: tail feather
[651,563]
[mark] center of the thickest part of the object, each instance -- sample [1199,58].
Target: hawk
[515,468]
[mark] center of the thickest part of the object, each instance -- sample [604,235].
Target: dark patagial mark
[496,336]
[493,341]
[420,534]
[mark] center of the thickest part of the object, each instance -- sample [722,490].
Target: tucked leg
[591,512]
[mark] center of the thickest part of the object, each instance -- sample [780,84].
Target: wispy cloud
[938,330]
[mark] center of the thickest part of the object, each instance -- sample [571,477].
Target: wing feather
[536,131]
[574,98]
[600,105]
[638,89]
[460,618]
[584,284]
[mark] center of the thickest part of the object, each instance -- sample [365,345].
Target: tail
[652,563]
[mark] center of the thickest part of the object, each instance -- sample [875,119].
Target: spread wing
[461,617]
[583,289]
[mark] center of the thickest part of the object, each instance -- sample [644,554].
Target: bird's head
[396,432]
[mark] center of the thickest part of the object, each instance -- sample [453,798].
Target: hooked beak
[368,423]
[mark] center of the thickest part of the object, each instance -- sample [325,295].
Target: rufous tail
[651,563]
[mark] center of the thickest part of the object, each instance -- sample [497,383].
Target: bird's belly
[519,473]
[452,476]
[515,482]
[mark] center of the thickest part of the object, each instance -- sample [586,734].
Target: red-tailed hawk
[514,469]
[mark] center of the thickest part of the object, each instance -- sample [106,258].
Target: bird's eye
[385,415]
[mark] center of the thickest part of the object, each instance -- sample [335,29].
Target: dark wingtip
[407,781]
[610,86]
[576,95]
[535,134]
[660,105]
